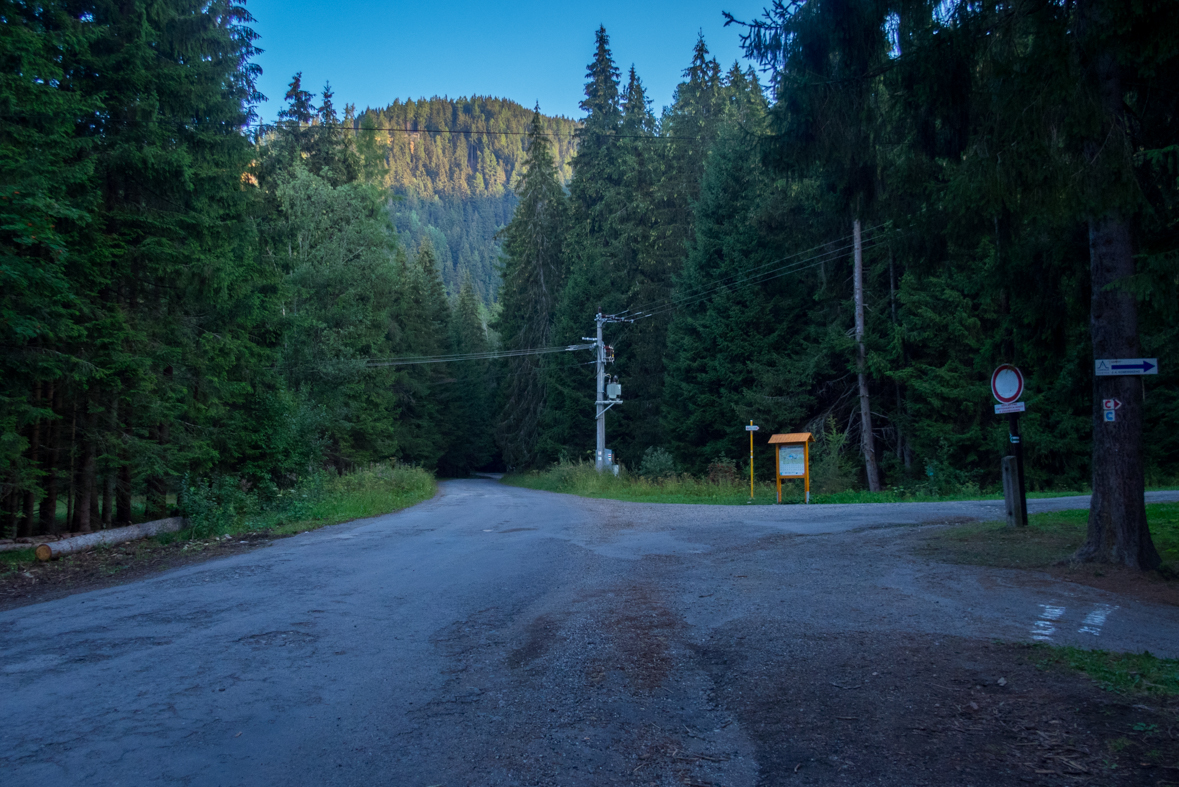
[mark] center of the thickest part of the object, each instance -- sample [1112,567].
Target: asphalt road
[493,635]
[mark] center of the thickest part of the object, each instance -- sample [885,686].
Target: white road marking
[1096,619]
[1043,629]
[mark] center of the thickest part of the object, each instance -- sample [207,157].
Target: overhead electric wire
[760,274]
[481,356]
[262,126]
[755,275]
[570,135]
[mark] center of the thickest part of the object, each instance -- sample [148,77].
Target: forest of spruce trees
[188,296]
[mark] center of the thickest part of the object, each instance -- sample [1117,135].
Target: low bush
[722,471]
[657,464]
[222,504]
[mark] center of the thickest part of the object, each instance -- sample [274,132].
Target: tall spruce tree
[533,275]
[827,56]
[420,327]
[471,409]
[594,282]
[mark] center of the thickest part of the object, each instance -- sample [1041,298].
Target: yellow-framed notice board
[793,454]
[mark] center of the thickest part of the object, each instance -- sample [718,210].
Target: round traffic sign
[1007,384]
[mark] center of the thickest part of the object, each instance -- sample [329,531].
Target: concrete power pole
[867,443]
[600,399]
[606,395]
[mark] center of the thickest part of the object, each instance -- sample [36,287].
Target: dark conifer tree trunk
[123,495]
[1118,531]
[48,512]
[155,503]
[71,496]
[30,502]
[84,506]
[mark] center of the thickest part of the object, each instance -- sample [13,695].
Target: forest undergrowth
[222,507]
[727,483]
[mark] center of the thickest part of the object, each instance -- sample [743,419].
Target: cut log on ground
[68,546]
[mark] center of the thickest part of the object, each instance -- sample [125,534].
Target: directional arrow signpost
[1118,367]
[751,429]
[1121,367]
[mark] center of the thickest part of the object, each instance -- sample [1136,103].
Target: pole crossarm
[608,404]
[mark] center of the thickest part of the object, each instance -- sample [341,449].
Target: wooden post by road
[1018,446]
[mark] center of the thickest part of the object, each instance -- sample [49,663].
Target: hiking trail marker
[1119,367]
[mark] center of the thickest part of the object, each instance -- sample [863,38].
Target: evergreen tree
[533,273]
[420,327]
[471,414]
[597,278]
[720,336]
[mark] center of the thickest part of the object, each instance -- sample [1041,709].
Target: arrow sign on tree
[1116,367]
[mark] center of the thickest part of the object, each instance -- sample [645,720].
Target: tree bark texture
[1118,532]
[29,518]
[68,546]
[867,443]
[48,512]
[84,507]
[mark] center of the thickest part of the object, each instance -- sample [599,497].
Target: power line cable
[261,126]
[481,356]
[756,275]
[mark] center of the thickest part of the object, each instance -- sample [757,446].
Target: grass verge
[221,508]
[1046,541]
[1124,673]
[217,512]
[583,480]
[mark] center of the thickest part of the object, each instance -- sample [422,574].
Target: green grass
[379,489]
[223,509]
[581,479]
[1124,673]
[11,560]
[1047,540]
[371,492]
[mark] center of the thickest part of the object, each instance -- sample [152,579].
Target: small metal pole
[806,469]
[1017,443]
[778,469]
[751,462]
[600,458]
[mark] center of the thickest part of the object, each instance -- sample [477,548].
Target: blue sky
[374,52]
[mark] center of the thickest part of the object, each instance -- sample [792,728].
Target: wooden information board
[794,459]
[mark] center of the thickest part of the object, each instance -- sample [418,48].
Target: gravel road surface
[496,635]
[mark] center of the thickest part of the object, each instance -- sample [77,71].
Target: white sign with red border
[1007,384]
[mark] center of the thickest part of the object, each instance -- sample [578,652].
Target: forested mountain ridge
[452,164]
[461,147]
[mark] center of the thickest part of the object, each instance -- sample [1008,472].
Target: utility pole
[601,401]
[867,444]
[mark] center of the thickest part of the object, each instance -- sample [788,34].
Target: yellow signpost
[751,429]
[793,454]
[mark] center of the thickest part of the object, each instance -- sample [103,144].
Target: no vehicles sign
[1007,384]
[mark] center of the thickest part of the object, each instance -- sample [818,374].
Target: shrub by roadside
[727,484]
[221,506]
[218,508]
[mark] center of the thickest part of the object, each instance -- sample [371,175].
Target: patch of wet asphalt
[501,636]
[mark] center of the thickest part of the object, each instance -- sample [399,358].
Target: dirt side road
[506,637]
